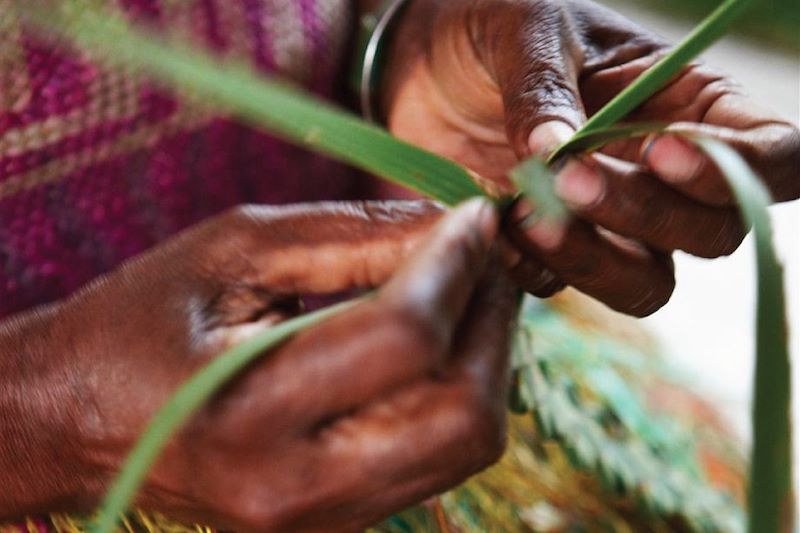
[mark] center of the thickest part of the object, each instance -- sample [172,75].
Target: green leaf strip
[660,74]
[535,181]
[588,141]
[770,493]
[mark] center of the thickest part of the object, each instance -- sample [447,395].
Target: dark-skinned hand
[489,82]
[396,399]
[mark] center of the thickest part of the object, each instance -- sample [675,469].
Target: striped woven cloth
[97,165]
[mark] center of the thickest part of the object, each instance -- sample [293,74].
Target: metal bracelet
[380,26]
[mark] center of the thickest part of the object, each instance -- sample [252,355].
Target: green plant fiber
[660,74]
[770,492]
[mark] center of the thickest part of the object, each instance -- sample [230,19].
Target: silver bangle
[378,25]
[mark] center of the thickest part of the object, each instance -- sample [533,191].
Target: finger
[430,436]
[530,275]
[537,77]
[422,441]
[438,282]
[633,203]
[625,276]
[772,150]
[385,342]
[534,278]
[703,101]
[469,394]
[483,340]
[319,248]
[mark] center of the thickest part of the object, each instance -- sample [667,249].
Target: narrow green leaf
[600,129]
[587,141]
[770,494]
[188,398]
[657,76]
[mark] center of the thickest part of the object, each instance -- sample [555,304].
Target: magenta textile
[97,165]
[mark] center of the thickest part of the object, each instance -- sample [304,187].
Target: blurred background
[707,329]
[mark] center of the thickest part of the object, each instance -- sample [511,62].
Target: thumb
[537,72]
[548,136]
[319,248]
[539,118]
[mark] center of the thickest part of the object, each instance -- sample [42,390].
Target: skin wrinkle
[624,51]
[43,395]
[720,88]
[729,236]
[231,429]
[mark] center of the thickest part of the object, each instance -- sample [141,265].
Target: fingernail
[548,136]
[673,159]
[543,232]
[546,234]
[484,214]
[579,185]
[521,212]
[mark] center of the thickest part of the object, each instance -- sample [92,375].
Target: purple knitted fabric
[97,166]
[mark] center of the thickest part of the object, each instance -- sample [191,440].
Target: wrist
[42,467]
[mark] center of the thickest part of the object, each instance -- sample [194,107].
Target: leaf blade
[770,469]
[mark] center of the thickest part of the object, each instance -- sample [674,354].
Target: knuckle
[401,210]
[551,289]
[790,141]
[244,507]
[536,280]
[238,215]
[653,298]
[732,242]
[255,515]
[782,156]
[416,330]
[235,223]
[483,430]
[728,238]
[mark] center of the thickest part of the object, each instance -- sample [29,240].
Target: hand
[398,398]
[488,82]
